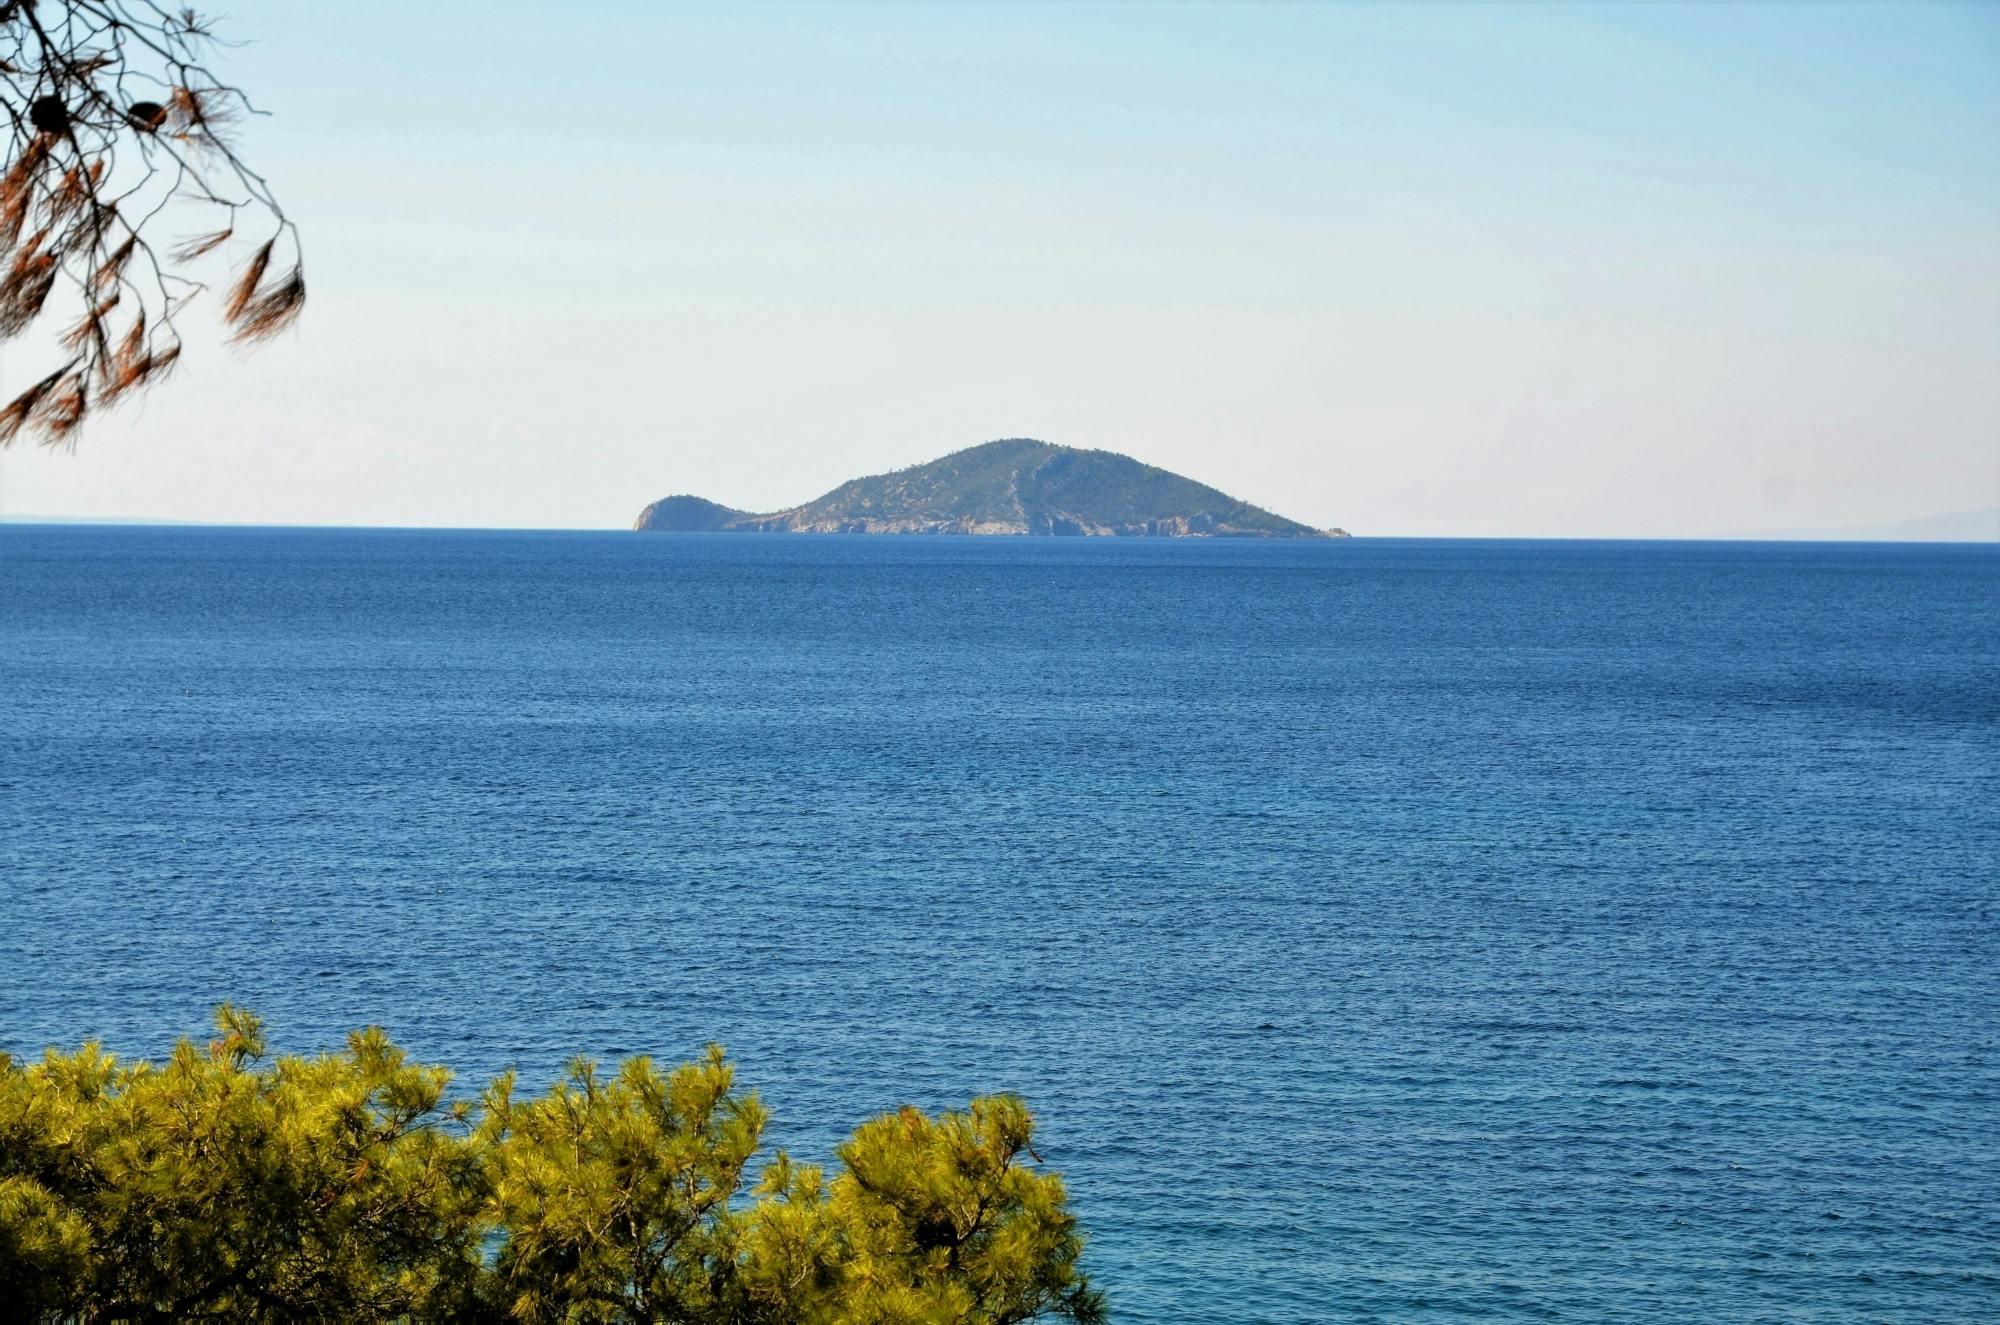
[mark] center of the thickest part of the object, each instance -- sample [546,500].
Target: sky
[1539,271]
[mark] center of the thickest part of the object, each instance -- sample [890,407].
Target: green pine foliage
[225,1184]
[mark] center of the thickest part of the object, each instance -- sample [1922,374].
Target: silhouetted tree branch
[113,116]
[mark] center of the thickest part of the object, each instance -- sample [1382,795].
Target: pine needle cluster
[352,1186]
[113,118]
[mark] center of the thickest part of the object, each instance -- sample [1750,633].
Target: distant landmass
[89,519]
[1015,486]
[1981,526]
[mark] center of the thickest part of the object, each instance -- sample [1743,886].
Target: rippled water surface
[1382,931]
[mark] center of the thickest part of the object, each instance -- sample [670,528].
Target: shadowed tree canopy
[118,131]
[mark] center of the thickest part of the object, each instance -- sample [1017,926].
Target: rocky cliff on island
[1017,486]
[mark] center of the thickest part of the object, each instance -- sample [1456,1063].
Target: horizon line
[1803,537]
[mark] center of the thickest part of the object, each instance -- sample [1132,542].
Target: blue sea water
[1382,931]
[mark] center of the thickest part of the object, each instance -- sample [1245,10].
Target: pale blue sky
[1546,270]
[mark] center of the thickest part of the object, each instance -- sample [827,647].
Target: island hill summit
[1017,486]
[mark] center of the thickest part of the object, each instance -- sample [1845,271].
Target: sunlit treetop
[221,1184]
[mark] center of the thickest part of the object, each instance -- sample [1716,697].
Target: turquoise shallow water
[1383,931]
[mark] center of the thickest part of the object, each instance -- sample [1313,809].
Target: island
[1013,486]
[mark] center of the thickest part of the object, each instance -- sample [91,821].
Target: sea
[1398,931]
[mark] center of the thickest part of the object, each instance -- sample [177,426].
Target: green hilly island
[1014,486]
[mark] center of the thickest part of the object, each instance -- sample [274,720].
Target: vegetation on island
[1013,486]
[354,1186]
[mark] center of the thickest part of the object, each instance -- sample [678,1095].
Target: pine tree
[351,1186]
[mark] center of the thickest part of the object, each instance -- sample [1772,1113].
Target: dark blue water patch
[1383,931]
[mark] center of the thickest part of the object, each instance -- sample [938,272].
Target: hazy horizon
[1948,527]
[1535,272]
